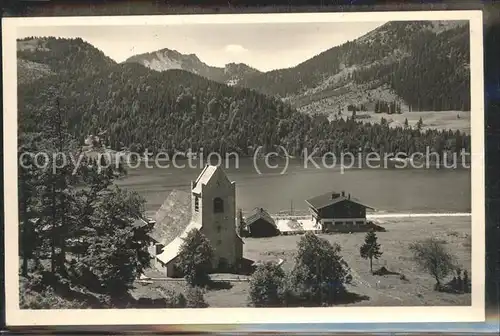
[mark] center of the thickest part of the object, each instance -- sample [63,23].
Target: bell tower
[214,207]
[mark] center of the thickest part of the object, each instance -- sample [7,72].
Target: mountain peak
[168,59]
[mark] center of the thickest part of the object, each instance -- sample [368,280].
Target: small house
[260,224]
[336,211]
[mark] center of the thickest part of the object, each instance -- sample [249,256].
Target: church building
[211,208]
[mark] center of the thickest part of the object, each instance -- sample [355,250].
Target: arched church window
[218,205]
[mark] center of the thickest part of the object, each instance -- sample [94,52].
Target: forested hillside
[65,57]
[423,64]
[177,110]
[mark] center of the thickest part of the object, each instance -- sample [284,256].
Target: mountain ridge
[175,110]
[379,65]
[167,59]
[360,73]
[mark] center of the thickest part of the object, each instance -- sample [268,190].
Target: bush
[319,275]
[47,299]
[171,299]
[266,286]
[195,258]
[195,298]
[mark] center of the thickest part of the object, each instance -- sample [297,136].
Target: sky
[264,46]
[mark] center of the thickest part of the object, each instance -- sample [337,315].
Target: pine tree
[241,224]
[114,249]
[57,179]
[370,249]
[420,123]
[27,186]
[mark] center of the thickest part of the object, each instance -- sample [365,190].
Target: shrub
[47,299]
[265,286]
[194,298]
[172,299]
[320,273]
[195,258]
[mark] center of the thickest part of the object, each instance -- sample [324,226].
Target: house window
[218,228]
[359,222]
[218,205]
[196,204]
[219,242]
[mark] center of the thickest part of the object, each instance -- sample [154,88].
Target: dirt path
[364,287]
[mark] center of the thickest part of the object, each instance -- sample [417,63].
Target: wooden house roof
[259,213]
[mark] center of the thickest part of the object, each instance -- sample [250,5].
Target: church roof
[173,217]
[204,177]
[172,250]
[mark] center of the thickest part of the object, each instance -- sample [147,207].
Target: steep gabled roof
[259,213]
[173,217]
[204,177]
[330,198]
[173,248]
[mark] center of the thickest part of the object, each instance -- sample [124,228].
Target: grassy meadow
[371,290]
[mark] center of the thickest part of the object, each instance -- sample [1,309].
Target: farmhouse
[260,224]
[337,211]
[210,208]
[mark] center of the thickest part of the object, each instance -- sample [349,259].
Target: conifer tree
[370,249]
[27,186]
[420,123]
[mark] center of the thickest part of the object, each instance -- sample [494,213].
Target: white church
[211,208]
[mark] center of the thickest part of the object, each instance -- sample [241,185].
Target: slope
[43,56]
[424,65]
[176,110]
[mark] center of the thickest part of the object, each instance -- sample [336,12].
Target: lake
[386,190]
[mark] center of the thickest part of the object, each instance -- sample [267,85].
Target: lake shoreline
[388,191]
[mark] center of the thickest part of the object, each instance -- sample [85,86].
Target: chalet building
[208,207]
[337,211]
[260,224]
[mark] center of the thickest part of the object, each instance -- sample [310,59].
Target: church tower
[214,208]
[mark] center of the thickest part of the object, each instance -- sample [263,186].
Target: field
[431,120]
[388,290]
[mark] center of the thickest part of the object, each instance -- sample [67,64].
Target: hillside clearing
[441,120]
